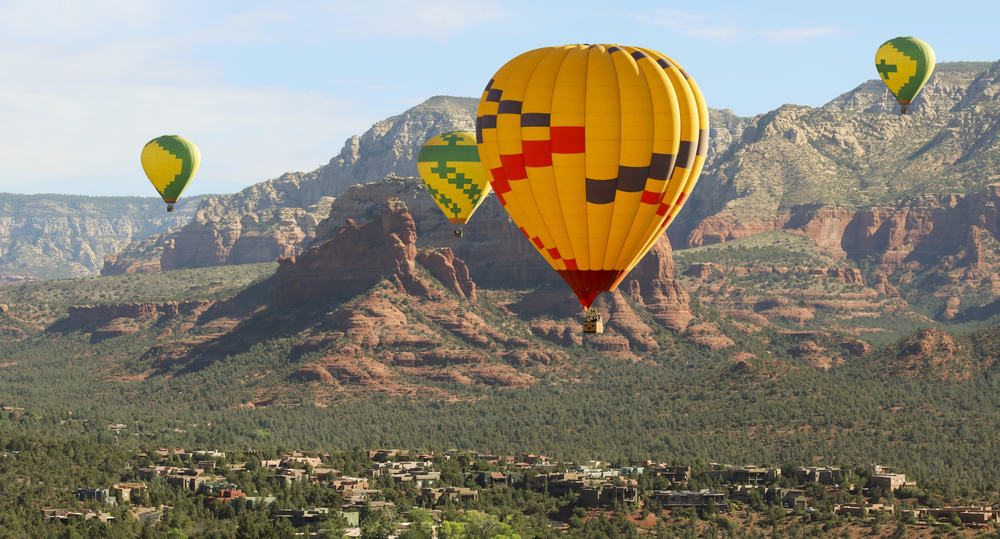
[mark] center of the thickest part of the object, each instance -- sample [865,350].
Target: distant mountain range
[903,205]
[60,236]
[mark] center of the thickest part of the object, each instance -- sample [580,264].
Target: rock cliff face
[393,325]
[854,152]
[934,354]
[494,249]
[61,236]
[652,284]
[941,246]
[354,260]
[82,315]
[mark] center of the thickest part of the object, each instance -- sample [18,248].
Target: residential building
[127,491]
[701,499]
[891,481]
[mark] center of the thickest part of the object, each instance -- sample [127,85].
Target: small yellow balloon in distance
[170,162]
[449,165]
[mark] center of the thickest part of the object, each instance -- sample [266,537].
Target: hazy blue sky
[265,88]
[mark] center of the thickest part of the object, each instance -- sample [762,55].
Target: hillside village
[410,493]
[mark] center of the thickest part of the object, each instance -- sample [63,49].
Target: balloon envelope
[592,150]
[904,64]
[449,165]
[170,162]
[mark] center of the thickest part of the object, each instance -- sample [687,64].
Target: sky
[268,87]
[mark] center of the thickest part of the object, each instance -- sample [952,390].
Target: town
[453,493]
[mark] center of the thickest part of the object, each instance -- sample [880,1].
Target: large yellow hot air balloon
[904,64]
[449,165]
[170,162]
[592,150]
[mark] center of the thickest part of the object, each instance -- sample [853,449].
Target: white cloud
[68,20]
[432,19]
[715,28]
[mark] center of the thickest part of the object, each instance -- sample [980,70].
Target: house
[607,495]
[968,515]
[382,455]
[744,475]
[324,474]
[312,462]
[126,492]
[66,515]
[701,499]
[207,465]
[862,510]
[213,488]
[287,476]
[675,474]
[300,517]
[148,472]
[792,498]
[823,476]
[433,495]
[889,482]
[495,479]
[99,494]
[191,482]
[347,484]
[228,495]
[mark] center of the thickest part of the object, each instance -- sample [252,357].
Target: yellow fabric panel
[509,139]
[489,154]
[160,165]
[636,150]
[699,159]
[688,120]
[603,139]
[570,169]
[545,191]
[701,124]
[666,139]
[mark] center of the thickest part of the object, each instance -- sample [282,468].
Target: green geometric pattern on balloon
[180,150]
[446,203]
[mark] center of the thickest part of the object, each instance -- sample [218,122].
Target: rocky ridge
[61,236]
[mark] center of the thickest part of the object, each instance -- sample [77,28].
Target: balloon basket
[593,322]
[170,207]
[458,232]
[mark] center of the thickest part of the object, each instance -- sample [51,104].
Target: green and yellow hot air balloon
[449,165]
[170,162]
[904,63]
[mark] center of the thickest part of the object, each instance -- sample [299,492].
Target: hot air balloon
[905,64]
[170,162]
[592,150]
[449,165]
